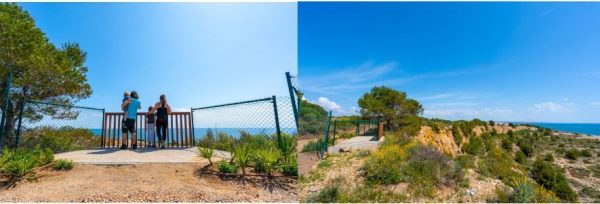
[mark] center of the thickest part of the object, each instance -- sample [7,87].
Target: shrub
[428,168]
[287,145]
[457,135]
[267,160]
[549,157]
[20,162]
[384,165]
[329,194]
[590,192]
[572,154]
[551,178]
[313,146]
[507,144]
[561,145]
[520,157]
[586,153]
[475,146]
[242,157]
[290,169]
[226,167]
[60,140]
[62,164]
[466,161]
[206,153]
[527,149]
[523,192]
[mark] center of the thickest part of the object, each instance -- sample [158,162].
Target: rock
[470,192]
[345,149]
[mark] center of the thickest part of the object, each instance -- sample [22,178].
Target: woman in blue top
[131,105]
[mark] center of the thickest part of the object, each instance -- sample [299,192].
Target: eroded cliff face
[444,139]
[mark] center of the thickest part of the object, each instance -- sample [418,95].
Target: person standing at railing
[162,109]
[150,127]
[131,105]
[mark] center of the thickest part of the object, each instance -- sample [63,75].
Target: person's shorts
[129,126]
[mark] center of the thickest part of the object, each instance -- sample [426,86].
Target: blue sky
[531,62]
[198,54]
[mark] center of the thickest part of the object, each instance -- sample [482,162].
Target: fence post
[5,108]
[22,105]
[103,131]
[357,127]
[334,127]
[193,129]
[326,142]
[292,96]
[276,120]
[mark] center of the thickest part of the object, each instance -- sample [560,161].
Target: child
[150,121]
[123,125]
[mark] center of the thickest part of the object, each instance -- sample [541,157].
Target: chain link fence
[295,95]
[266,116]
[60,127]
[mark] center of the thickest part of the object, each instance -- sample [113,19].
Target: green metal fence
[267,116]
[292,82]
[36,120]
[349,128]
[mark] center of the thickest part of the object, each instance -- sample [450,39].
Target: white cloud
[468,113]
[548,106]
[328,104]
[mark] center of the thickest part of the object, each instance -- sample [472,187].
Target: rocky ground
[186,182]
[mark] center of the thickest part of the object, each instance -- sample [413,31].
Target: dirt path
[153,182]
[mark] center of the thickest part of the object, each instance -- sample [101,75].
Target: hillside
[462,161]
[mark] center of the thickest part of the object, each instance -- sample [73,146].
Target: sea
[234,132]
[581,128]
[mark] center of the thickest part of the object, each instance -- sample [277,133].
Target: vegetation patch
[63,165]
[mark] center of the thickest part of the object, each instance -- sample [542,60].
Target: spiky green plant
[242,157]
[287,145]
[268,159]
[206,153]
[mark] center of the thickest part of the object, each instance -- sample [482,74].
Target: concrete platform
[142,155]
[355,143]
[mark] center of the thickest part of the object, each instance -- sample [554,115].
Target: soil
[153,182]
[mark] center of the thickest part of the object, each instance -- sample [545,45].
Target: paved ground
[142,155]
[358,142]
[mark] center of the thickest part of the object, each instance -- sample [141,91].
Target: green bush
[64,165]
[287,146]
[266,160]
[549,157]
[466,161]
[384,165]
[523,192]
[60,140]
[507,144]
[242,157]
[520,157]
[329,194]
[20,162]
[206,153]
[572,154]
[586,153]
[551,178]
[475,146]
[428,168]
[226,167]
[527,149]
